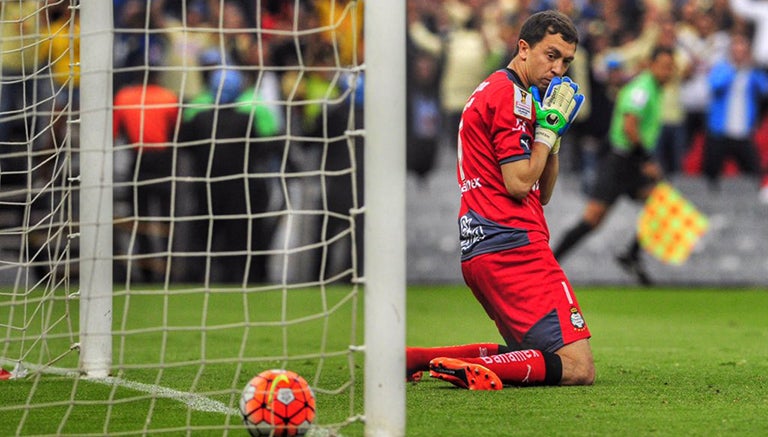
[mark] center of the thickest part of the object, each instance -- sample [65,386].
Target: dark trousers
[152,209]
[719,148]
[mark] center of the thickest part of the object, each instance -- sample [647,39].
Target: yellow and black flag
[669,225]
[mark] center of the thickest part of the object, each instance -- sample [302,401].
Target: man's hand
[556,110]
[652,170]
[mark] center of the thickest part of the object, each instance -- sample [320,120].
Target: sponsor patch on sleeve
[523,104]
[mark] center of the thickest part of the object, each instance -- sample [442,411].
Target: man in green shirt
[628,168]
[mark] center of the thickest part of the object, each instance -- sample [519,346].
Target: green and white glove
[556,110]
[555,147]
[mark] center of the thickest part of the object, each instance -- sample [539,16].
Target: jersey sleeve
[512,124]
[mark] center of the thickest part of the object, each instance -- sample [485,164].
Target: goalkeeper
[509,138]
[628,169]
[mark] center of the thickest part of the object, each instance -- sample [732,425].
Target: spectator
[465,50]
[61,46]
[25,111]
[187,38]
[424,115]
[265,93]
[227,150]
[266,118]
[756,12]
[312,87]
[345,18]
[342,176]
[706,45]
[737,85]
[673,140]
[22,91]
[424,120]
[145,116]
[134,48]
[62,49]
[237,39]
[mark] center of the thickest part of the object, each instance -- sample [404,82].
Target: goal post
[96,258]
[385,198]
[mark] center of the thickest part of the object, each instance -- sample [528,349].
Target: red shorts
[526,293]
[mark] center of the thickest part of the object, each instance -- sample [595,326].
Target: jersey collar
[513,77]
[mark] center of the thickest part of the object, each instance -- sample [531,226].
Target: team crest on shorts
[577,320]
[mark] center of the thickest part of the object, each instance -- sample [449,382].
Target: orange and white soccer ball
[278,403]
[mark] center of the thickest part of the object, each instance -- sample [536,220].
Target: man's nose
[559,68]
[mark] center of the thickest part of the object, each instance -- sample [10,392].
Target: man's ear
[523,48]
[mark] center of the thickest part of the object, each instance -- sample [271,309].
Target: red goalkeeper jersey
[496,127]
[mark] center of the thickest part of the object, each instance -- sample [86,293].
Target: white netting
[237,192]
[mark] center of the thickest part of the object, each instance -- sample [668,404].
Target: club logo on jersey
[577,320]
[523,106]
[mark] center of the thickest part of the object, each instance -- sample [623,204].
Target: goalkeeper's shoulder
[495,94]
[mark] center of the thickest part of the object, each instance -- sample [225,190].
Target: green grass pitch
[669,362]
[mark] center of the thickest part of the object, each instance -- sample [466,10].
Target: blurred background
[452,45]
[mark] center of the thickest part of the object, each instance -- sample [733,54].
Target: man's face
[548,59]
[663,68]
[740,50]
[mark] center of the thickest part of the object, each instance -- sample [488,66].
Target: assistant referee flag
[669,225]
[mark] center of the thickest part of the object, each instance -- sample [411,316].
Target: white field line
[195,401]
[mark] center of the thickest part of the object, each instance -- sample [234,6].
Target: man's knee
[583,373]
[578,364]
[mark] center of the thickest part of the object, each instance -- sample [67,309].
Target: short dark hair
[549,22]
[661,50]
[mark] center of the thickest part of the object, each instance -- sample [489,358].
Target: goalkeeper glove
[556,110]
[555,147]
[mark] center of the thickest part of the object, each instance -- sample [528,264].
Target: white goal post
[115,310]
[96,183]
[385,216]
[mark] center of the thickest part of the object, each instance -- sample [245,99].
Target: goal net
[181,208]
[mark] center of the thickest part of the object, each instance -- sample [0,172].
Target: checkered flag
[669,225]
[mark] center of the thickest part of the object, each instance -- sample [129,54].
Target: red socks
[525,367]
[418,358]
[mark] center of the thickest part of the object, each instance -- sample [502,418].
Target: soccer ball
[277,403]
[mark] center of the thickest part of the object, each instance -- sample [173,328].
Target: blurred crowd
[247,94]
[221,78]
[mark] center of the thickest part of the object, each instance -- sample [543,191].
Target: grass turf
[669,362]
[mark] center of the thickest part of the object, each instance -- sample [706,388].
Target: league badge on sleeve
[523,103]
